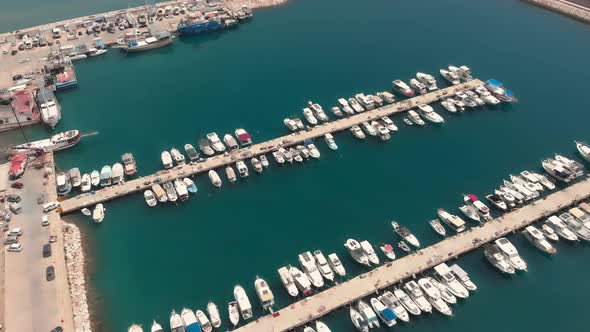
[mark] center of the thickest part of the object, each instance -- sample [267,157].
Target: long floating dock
[143,183]
[314,307]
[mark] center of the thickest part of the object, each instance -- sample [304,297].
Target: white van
[48,207]
[16,232]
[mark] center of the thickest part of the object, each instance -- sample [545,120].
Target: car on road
[44,220]
[25,60]
[13,198]
[50,273]
[17,185]
[15,247]
[58,329]
[46,250]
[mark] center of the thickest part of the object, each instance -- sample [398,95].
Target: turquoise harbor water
[146,262]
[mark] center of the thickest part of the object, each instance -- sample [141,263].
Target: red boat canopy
[244,137]
[473,198]
[388,247]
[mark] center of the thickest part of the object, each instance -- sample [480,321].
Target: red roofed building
[18,107]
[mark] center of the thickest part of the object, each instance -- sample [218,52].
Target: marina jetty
[194,168]
[316,306]
[577,9]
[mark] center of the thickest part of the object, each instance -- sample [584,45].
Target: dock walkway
[142,183]
[316,306]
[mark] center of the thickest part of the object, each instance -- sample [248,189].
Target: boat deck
[316,306]
[143,183]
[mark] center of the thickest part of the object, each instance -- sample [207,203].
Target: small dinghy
[408,122]
[438,227]
[86,212]
[387,249]
[403,246]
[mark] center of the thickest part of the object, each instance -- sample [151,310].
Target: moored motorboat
[445,293]
[536,238]
[176,322]
[234,313]
[278,157]
[230,141]
[438,227]
[561,229]
[369,129]
[230,173]
[387,250]
[336,111]
[129,164]
[415,118]
[308,115]
[405,234]
[265,295]
[407,302]
[288,281]
[242,168]
[511,254]
[463,277]
[264,161]
[497,202]
[205,147]
[214,316]
[449,105]
[191,152]
[549,233]
[418,86]
[117,175]
[166,159]
[387,315]
[583,149]
[301,281]
[215,142]
[243,136]
[388,123]
[429,114]
[95,178]
[330,141]
[416,294]
[427,80]
[401,87]
[404,246]
[177,156]
[493,254]
[368,313]
[181,189]
[203,321]
[243,302]
[170,191]
[388,299]
[156,327]
[190,185]
[336,264]
[321,327]
[105,176]
[470,212]
[354,104]
[215,179]
[310,269]
[98,213]
[450,76]
[370,252]
[159,193]
[323,265]
[444,275]
[135,328]
[433,296]
[150,199]
[358,321]
[479,207]
[452,220]
[85,184]
[357,132]
[357,252]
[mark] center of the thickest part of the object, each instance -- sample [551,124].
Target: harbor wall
[576,11]
[75,264]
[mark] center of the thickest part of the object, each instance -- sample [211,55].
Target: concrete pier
[314,307]
[142,183]
[578,11]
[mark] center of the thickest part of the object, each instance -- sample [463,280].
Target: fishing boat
[85,184]
[336,264]
[160,193]
[407,302]
[264,161]
[177,156]
[301,281]
[370,252]
[445,276]
[156,327]
[170,191]
[215,179]
[323,265]
[150,199]
[176,323]
[463,277]
[231,174]
[357,253]
[234,313]
[495,257]
[98,213]
[405,234]
[288,281]
[453,221]
[190,320]
[105,176]
[537,239]
[181,189]
[129,164]
[191,152]
[330,141]
[416,294]
[214,316]
[387,250]
[395,305]
[95,178]
[264,293]
[415,118]
[166,159]
[387,315]
[403,88]
[310,269]
[256,164]
[438,227]
[242,168]
[359,321]
[243,302]
[190,185]
[243,137]
[230,141]
[368,313]
[432,294]
[203,321]
[479,207]
[56,142]
[117,174]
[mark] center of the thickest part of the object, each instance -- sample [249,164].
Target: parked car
[48,207]
[46,250]
[44,220]
[15,247]
[50,273]
[52,238]
[17,231]
[13,198]
[11,239]
[17,185]
[16,208]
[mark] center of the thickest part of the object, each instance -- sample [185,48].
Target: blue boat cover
[388,314]
[308,141]
[494,82]
[194,327]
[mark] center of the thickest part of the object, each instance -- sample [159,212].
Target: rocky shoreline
[75,265]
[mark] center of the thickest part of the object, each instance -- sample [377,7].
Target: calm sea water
[146,262]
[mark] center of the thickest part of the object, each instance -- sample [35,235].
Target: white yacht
[75,177]
[443,273]
[395,305]
[310,269]
[166,159]
[323,265]
[463,72]
[176,323]
[405,234]
[156,327]
[135,328]
[533,187]
[368,313]
[450,76]
[497,201]
[242,168]
[427,80]
[382,131]
[463,277]
[267,299]
[336,111]
[243,302]
[366,101]
[452,220]
[438,227]
[321,327]
[313,150]
[407,302]
[286,154]
[417,296]
[214,316]
[358,320]
[493,254]
[190,320]
[230,141]
[386,96]
[318,110]
[459,104]
[330,141]
[149,198]
[215,179]
[345,106]
[215,142]
[537,238]
[203,322]
[264,161]
[583,149]
[401,87]
[177,156]
[388,123]
[301,280]
[387,250]
[336,264]
[105,176]
[544,181]
[278,157]
[511,254]
[418,86]
[385,313]
[95,178]
[288,281]
[576,226]
[296,155]
[256,164]
[415,118]
[291,124]
[181,189]
[368,250]
[449,105]
[357,132]
[98,213]
[433,295]
[429,114]
[231,174]
[561,229]
[465,99]
[369,129]
[357,252]
[475,97]
[308,114]
[549,232]
[445,292]
[117,174]
[470,212]
[480,207]
[355,105]
[486,95]
[234,313]
[160,193]
[85,184]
